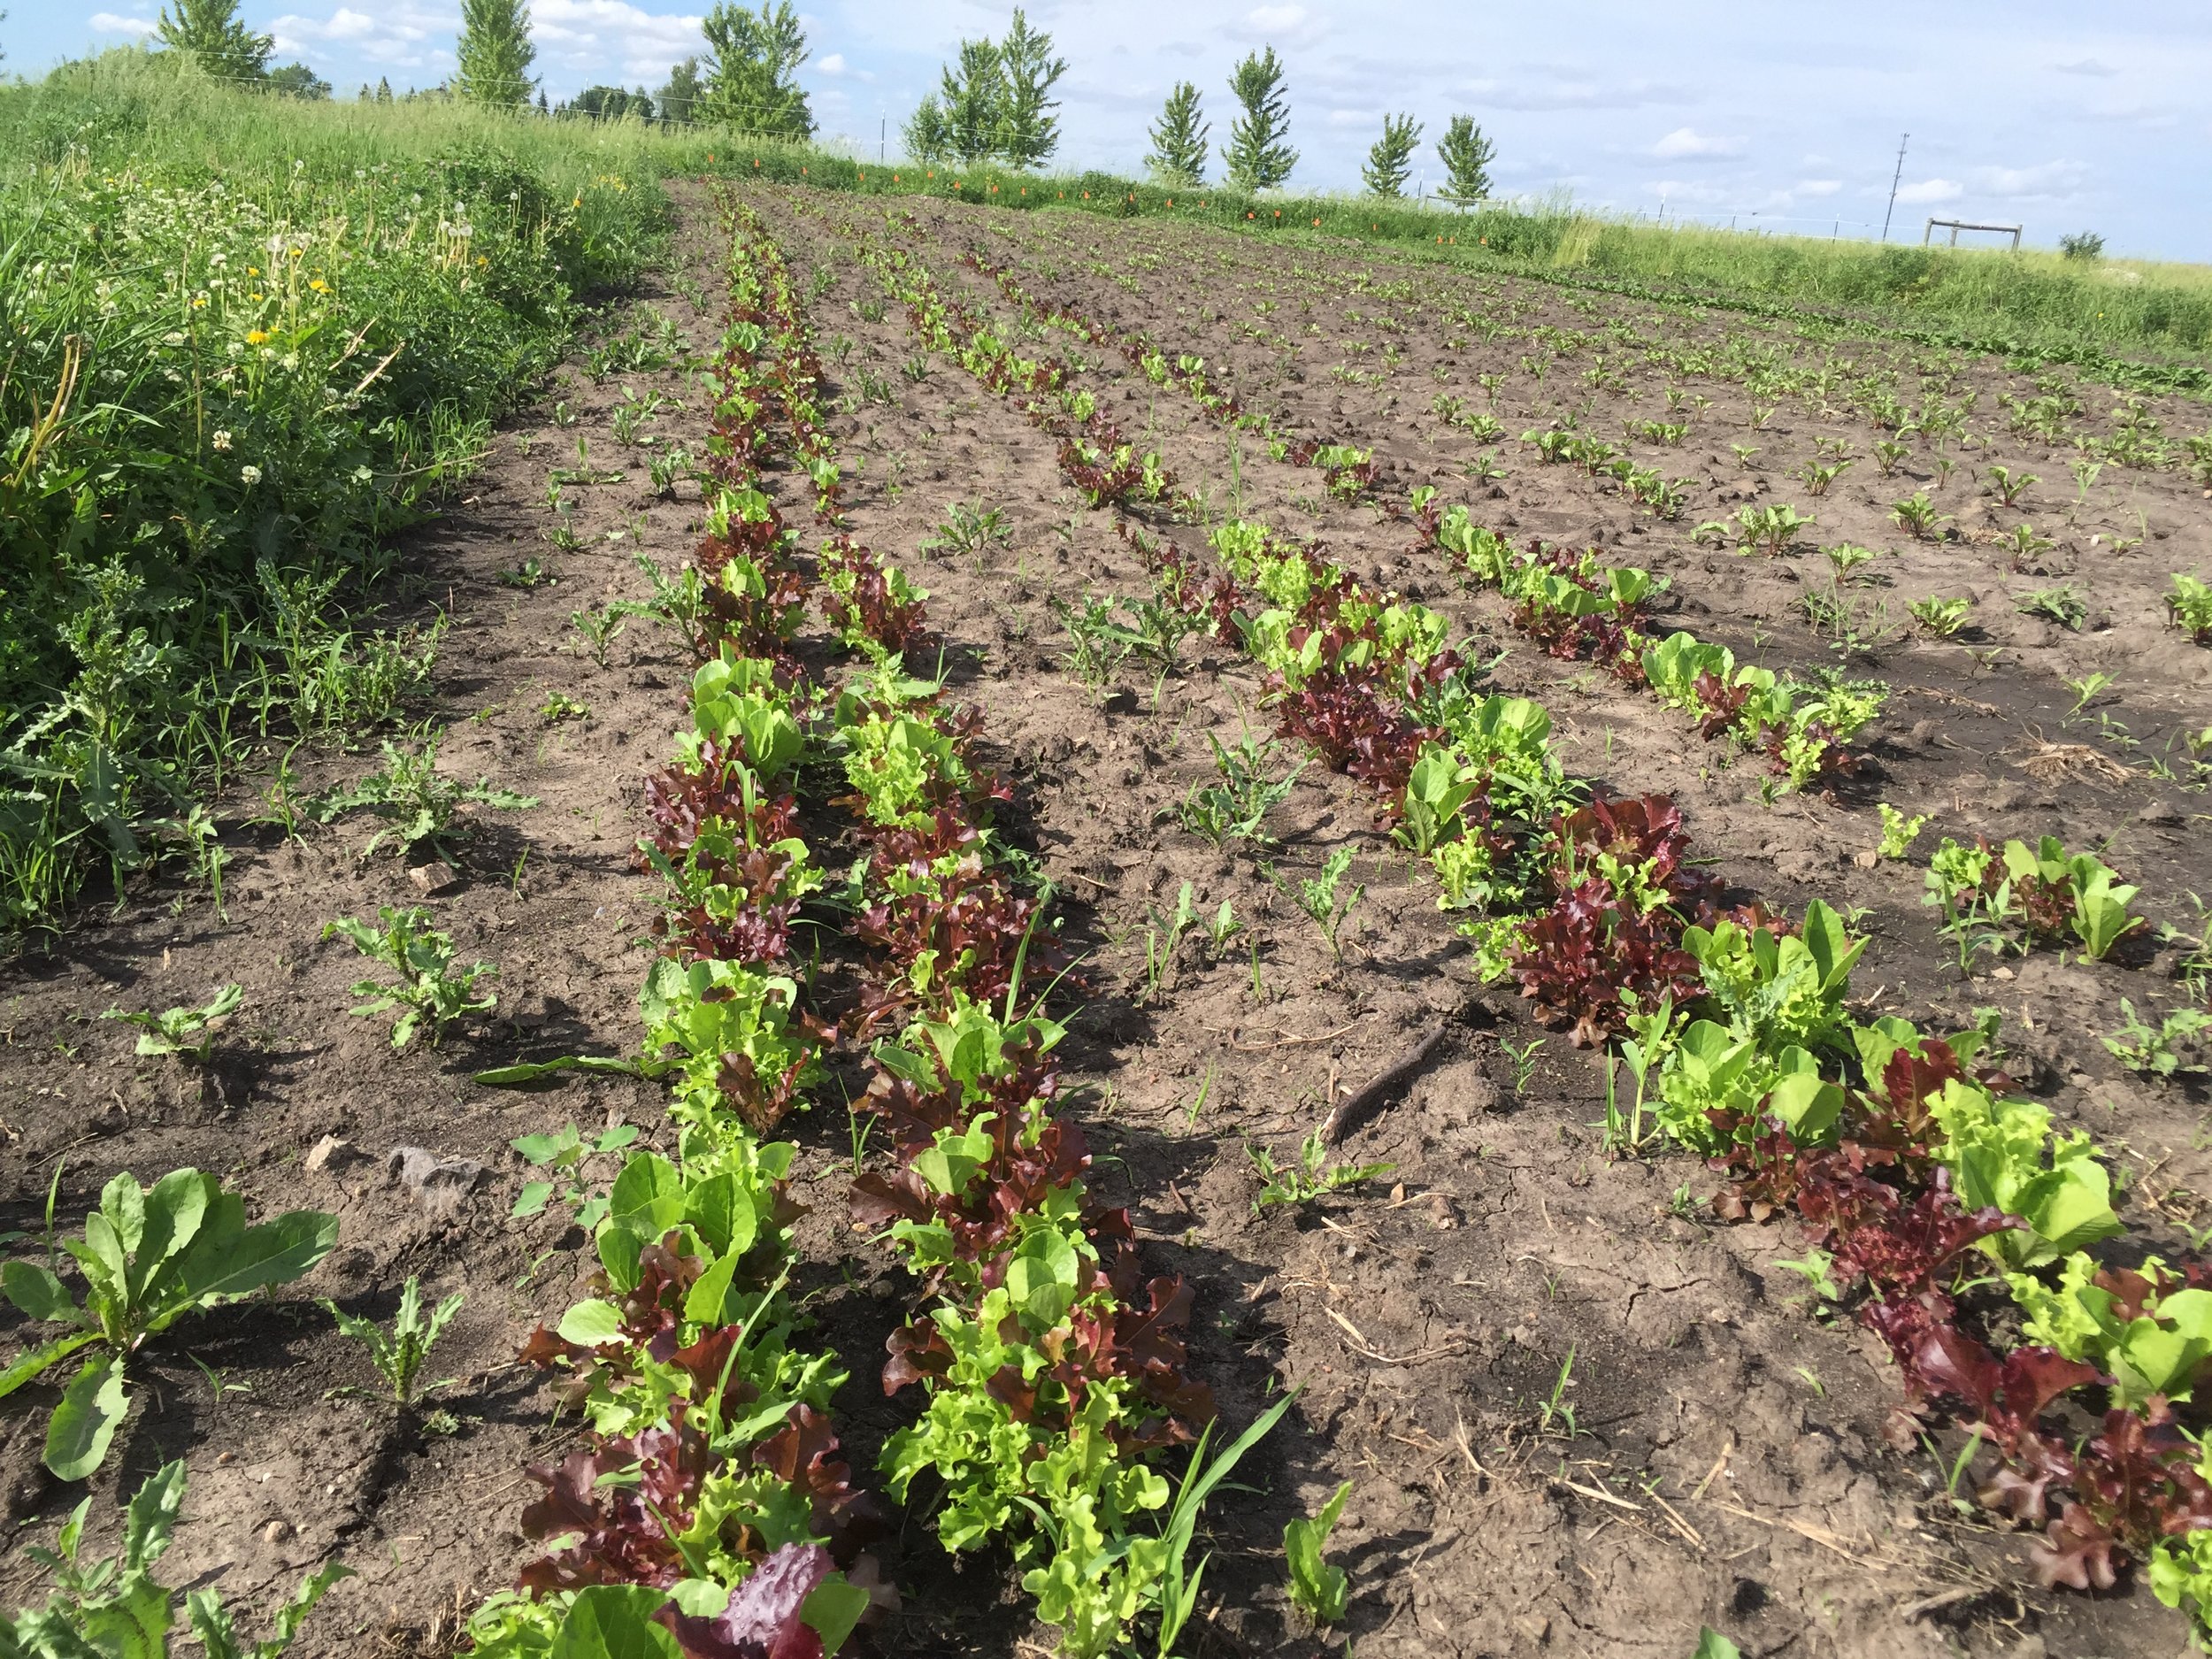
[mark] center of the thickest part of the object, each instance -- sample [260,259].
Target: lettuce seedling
[186,1033]
[1323,1591]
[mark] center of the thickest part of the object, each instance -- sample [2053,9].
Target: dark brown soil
[1578,1415]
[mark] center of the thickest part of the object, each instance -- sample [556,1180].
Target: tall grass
[241,340]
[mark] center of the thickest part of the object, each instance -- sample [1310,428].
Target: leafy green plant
[2010,484]
[1097,644]
[562,1155]
[2190,606]
[970,531]
[1916,515]
[1941,616]
[148,1256]
[1436,787]
[2155,1050]
[1320,898]
[398,1355]
[1322,1592]
[424,986]
[1845,559]
[116,1609]
[1236,808]
[186,1033]
[559,706]
[1888,454]
[419,807]
[1312,1177]
[2061,604]
[1178,1584]
[597,630]
[1898,831]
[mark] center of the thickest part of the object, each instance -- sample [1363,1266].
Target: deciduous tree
[1390,163]
[1179,138]
[1466,154]
[1258,155]
[495,53]
[751,71]
[210,32]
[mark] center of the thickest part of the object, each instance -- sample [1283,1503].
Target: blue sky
[2059,116]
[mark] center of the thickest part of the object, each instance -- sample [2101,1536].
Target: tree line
[992,103]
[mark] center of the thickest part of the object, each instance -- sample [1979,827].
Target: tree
[926,134]
[1466,154]
[1028,132]
[1179,138]
[751,68]
[2085,246]
[496,53]
[210,33]
[611,103]
[1390,162]
[682,92]
[383,89]
[973,99]
[1258,157]
[297,81]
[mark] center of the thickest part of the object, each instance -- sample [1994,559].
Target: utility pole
[1894,181]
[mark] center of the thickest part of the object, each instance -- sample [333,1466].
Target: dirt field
[1579,1412]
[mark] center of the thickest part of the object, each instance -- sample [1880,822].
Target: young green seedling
[1322,1592]
[398,1356]
[1328,908]
[424,985]
[186,1033]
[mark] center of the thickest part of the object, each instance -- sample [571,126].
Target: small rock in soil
[438,1184]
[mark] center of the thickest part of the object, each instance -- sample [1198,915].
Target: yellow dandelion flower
[319,286]
[253,269]
[255,336]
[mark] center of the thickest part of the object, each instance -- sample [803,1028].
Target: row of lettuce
[711,1509]
[1933,1195]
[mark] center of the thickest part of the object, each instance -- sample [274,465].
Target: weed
[398,1356]
[424,986]
[1236,808]
[562,1155]
[1097,644]
[1941,616]
[2061,604]
[1524,1060]
[186,1033]
[559,706]
[2153,1050]
[1312,1177]
[421,808]
[1325,904]
[1159,953]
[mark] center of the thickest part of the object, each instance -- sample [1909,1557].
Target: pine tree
[383,89]
[926,136]
[1390,163]
[751,71]
[1028,132]
[682,93]
[495,52]
[1179,138]
[210,32]
[1466,154]
[1258,157]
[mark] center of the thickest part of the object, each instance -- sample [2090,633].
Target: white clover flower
[221,441]
[249,475]
[173,338]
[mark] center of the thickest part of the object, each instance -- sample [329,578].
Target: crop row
[1051,1370]
[1911,1166]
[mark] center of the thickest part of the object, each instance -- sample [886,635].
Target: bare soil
[1578,1415]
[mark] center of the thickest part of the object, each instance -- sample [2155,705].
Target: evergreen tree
[383,89]
[1028,130]
[926,136]
[543,109]
[1466,154]
[682,93]
[751,71]
[495,52]
[210,32]
[1390,163]
[1257,155]
[611,103]
[1179,138]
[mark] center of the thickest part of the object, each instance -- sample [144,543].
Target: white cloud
[609,40]
[404,36]
[1687,144]
[108,23]
[2086,66]
[1929,193]
[1284,25]
[835,66]
[1545,97]
[1816,187]
[2051,179]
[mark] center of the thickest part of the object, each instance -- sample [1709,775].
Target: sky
[2056,117]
